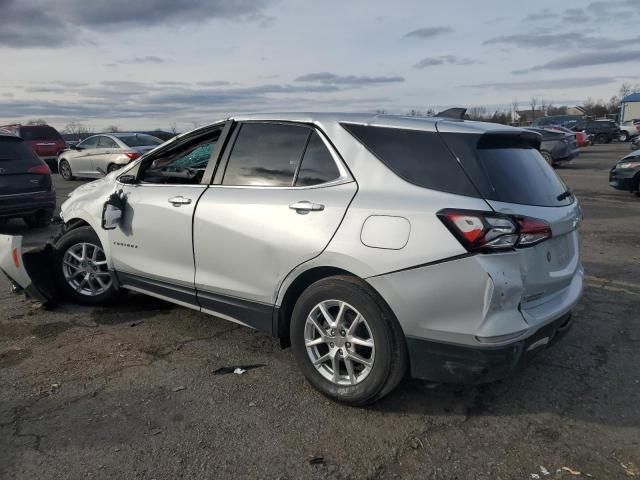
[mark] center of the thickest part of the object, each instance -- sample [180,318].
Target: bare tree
[625,89]
[533,103]
[173,128]
[77,128]
[112,129]
[36,121]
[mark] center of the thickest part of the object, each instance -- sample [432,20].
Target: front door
[280,199]
[152,248]
[81,162]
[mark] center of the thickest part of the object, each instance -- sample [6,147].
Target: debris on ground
[178,389]
[544,471]
[571,471]
[630,469]
[316,461]
[233,369]
[416,443]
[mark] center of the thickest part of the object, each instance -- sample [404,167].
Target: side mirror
[128,179]
[113,211]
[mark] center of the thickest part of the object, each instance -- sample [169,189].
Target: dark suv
[26,189]
[603,131]
[43,139]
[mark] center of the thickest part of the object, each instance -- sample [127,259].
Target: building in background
[630,107]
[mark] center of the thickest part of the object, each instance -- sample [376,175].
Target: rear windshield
[506,172]
[14,150]
[419,157]
[40,133]
[139,140]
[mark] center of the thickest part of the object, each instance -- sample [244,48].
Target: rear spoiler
[510,139]
[28,271]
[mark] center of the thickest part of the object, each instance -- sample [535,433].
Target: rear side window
[317,165]
[14,152]
[140,140]
[106,142]
[419,157]
[266,154]
[40,133]
[508,171]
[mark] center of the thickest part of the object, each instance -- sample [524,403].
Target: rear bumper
[448,363]
[26,204]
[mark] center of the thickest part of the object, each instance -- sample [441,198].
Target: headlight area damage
[29,270]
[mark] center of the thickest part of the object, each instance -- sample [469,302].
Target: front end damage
[28,269]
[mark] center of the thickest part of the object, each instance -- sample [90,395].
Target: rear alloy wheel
[80,266]
[547,157]
[347,342]
[65,170]
[40,219]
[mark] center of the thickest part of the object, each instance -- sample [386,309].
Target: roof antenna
[454,113]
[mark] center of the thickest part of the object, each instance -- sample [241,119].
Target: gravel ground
[132,391]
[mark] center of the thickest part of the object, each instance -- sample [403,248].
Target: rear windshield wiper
[566,194]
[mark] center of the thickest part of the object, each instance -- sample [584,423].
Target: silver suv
[373,245]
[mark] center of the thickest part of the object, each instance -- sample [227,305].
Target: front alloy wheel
[339,342]
[84,266]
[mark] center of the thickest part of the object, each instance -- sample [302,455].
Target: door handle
[304,207]
[179,200]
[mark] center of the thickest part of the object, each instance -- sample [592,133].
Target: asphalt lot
[130,391]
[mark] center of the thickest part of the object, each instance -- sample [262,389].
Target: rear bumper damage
[28,270]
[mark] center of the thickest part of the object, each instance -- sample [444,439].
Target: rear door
[105,154]
[277,199]
[44,140]
[514,179]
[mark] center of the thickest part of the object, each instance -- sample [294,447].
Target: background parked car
[104,153]
[568,121]
[557,146]
[629,129]
[635,143]
[43,139]
[625,175]
[25,183]
[582,139]
[603,131]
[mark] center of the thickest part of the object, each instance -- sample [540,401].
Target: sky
[149,64]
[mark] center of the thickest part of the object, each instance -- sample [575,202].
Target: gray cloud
[585,60]
[31,23]
[442,60]
[214,83]
[575,15]
[538,16]
[558,40]
[559,83]
[428,32]
[146,59]
[327,78]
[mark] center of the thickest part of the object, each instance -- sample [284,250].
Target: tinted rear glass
[317,165]
[507,174]
[140,140]
[40,133]
[419,157]
[15,150]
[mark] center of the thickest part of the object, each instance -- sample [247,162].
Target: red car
[45,141]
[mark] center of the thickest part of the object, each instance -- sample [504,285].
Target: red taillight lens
[132,155]
[41,169]
[532,231]
[487,231]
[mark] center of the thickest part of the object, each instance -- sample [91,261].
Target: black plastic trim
[176,292]
[255,314]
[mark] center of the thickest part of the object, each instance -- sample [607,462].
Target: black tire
[113,167]
[67,241]
[65,170]
[547,157]
[40,219]
[602,138]
[391,357]
[624,136]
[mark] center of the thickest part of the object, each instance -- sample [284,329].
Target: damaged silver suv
[376,246]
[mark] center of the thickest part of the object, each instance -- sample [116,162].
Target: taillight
[132,155]
[487,231]
[41,169]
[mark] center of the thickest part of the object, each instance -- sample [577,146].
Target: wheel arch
[282,314]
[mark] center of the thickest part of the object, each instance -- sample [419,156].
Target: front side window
[317,164]
[91,142]
[183,164]
[266,154]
